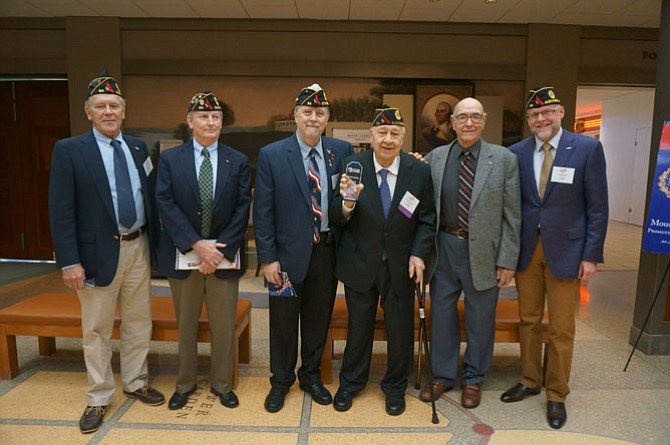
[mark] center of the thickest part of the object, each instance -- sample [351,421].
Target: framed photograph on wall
[432,122]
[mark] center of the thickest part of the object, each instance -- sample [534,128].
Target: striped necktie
[206,186]
[466,179]
[315,191]
[124,190]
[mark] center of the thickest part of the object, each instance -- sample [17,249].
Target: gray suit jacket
[495,210]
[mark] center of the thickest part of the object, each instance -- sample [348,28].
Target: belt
[130,236]
[325,237]
[458,233]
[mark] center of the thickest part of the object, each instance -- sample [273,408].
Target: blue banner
[657,229]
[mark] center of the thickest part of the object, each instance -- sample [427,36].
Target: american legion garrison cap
[541,96]
[205,101]
[103,84]
[387,115]
[312,96]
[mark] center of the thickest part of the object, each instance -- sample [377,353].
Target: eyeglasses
[476,118]
[545,113]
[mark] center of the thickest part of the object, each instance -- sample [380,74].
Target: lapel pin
[137,148]
[568,148]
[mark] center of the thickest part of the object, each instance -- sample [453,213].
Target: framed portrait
[434,104]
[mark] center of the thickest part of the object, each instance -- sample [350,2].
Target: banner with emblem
[657,229]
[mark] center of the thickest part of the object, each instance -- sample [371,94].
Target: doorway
[34,114]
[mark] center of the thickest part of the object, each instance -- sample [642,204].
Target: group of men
[462,216]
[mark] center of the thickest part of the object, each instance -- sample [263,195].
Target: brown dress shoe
[438,390]
[472,395]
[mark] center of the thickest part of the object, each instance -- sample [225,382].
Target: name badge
[408,204]
[563,175]
[148,166]
[335,181]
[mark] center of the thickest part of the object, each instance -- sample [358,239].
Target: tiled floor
[606,406]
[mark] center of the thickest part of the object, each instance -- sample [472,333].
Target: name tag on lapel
[563,175]
[335,181]
[408,204]
[148,166]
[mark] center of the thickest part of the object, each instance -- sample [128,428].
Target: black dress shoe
[147,395]
[275,400]
[229,399]
[395,405]
[318,392]
[517,393]
[179,399]
[343,400]
[91,420]
[556,414]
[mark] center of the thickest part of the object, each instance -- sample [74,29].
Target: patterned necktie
[385,192]
[315,192]
[206,186]
[124,191]
[546,168]
[466,179]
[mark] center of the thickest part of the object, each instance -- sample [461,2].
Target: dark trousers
[310,312]
[399,323]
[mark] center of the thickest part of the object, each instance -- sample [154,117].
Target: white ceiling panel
[643,7]
[376,9]
[166,8]
[118,8]
[531,11]
[21,8]
[271,9]
[601,6]
[323,10]
[480,11]
[62,8]
[599,19]
[218,9]
[424,10]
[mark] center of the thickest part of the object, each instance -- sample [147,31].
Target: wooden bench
[507,327]
[59,315]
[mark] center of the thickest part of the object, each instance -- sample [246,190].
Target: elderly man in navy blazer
[564,222]
[295,180]
[104,227]
[203,193]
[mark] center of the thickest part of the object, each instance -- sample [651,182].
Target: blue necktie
[385,192]
[315,192]
[124,191]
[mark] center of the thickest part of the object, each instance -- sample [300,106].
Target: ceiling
[624,13]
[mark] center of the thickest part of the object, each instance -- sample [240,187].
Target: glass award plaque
[354,170]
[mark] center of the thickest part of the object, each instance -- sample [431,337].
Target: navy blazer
[81,211]
[283,219]
[178,198]
[367,234]
[573,217]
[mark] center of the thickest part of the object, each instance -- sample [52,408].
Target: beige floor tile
[512,437]
[172,437]
[379,438]
[368,411]
[61,395]
[41,435]
[205,409]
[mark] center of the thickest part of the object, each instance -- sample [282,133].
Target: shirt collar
[474,149]
[198,147]
[393,168]
[553,141]
[104,139]
[305,149]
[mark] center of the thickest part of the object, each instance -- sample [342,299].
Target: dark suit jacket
[572,217]
[178,198]
[366,234]
[81,211]
[283,219]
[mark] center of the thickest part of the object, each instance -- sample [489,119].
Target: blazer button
[116,237]
[198,213]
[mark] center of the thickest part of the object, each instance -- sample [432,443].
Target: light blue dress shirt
[213,158]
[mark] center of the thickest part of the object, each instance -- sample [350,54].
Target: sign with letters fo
[657,229]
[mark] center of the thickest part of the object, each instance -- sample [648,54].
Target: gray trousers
[453,276]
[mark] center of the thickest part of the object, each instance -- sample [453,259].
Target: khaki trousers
[562,296]
[131,290]
[220,298]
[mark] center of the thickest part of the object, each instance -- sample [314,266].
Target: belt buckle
[461,234]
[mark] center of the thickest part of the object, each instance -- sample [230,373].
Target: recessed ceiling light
[490,2]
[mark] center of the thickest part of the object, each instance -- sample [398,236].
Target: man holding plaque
[478,206]
[295,181]
[203,194]
[388,231]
